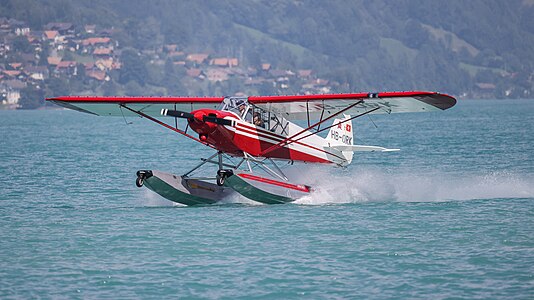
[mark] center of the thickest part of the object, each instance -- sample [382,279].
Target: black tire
[220,179]
[139,181]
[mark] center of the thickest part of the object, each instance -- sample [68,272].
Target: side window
[260,118]
[247,114]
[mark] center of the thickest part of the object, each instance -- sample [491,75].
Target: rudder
[342,134]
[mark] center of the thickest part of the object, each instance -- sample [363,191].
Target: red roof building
[224,62]
[53,60]
[103,51]
[197,58]
[51,34]
[96,40]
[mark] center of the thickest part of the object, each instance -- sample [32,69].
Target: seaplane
[251,136]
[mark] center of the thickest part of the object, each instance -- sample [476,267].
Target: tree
[57,87]
[172,79]
[31,98]
[21,44]
[133,67]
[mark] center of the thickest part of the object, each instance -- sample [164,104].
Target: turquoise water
[450,215]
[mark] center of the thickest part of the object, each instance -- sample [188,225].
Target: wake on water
[366,184]
[373,184]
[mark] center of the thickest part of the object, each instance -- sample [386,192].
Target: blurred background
[474,49]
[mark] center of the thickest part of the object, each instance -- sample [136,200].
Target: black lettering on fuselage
[345,139]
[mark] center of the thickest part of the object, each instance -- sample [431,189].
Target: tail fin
[342,135]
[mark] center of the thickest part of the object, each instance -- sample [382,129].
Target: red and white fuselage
[244,137]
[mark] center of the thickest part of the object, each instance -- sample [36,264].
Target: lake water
[450,215]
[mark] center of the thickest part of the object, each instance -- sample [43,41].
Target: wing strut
[352,118]
[165,125]
[290,139]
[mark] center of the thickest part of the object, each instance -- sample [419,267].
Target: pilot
[258,121]
[242,109]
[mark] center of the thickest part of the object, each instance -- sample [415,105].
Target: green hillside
[477,49]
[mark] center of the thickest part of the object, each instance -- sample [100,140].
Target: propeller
[177,114]
[216,120]
[190,116]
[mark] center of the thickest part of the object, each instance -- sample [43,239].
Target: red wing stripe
[298,187]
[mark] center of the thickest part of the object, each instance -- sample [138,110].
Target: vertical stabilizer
[342,134]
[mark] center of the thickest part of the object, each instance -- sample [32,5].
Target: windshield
[238,106]
[246,111]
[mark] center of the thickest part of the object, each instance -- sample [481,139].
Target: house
[11,92]
[304,73]
[12,98]
[175,54]
[96,41]
[12,73]
[5,27]
[265,67]
[195,73]
[22,31]
[62,28]
[15,66]
[53,60]
[18,27]
[277,73]
[103,52]
[90,29]
[216,75]
[224,62]
[104,64]
[51,35]
[37,72]
[66,67]
[197,58]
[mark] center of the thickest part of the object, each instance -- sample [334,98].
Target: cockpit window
[247,112]
[235,105]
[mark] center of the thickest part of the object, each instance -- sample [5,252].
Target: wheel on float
[220,179]
[139,181]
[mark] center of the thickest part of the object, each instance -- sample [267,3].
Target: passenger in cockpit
[258,121]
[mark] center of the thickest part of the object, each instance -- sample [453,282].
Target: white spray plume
[363,184]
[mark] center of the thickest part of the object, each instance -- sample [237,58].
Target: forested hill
[476,48]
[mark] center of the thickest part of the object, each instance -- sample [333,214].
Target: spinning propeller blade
[216,120]
[190,116]
[176,113]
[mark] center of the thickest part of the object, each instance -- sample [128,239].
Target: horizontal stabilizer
[355,148]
